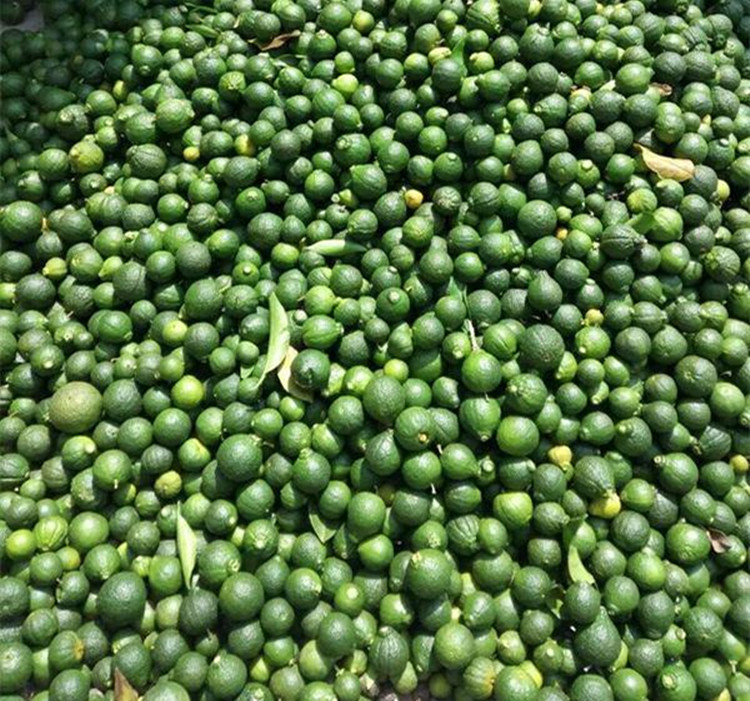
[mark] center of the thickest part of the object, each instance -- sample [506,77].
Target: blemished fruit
[370,347]
[75,408]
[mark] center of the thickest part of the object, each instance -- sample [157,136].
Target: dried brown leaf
[679,169]
[287,381]
[278,41]
[664,88]
[123,690]
[720,542]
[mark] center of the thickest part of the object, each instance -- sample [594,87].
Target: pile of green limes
[354,346]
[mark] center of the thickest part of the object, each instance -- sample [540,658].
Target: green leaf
[335,247]
[321,527]
[278,341]
[571,528]
[643,222]
[576,569]
[187,547]
[454,289]
[457,54]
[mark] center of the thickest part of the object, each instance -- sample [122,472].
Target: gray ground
[33,20]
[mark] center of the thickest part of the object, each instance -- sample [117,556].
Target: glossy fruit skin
[390,653]
[121,600]
[428,574]
[75,408]
[17,667]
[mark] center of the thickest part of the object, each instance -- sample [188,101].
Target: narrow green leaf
[554,600]
[454,289]
[335,247]
[200,8]
[576,569]
[469,326]
[321,527]
[278,341]
[203,30]
[187,547]
[457,54]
